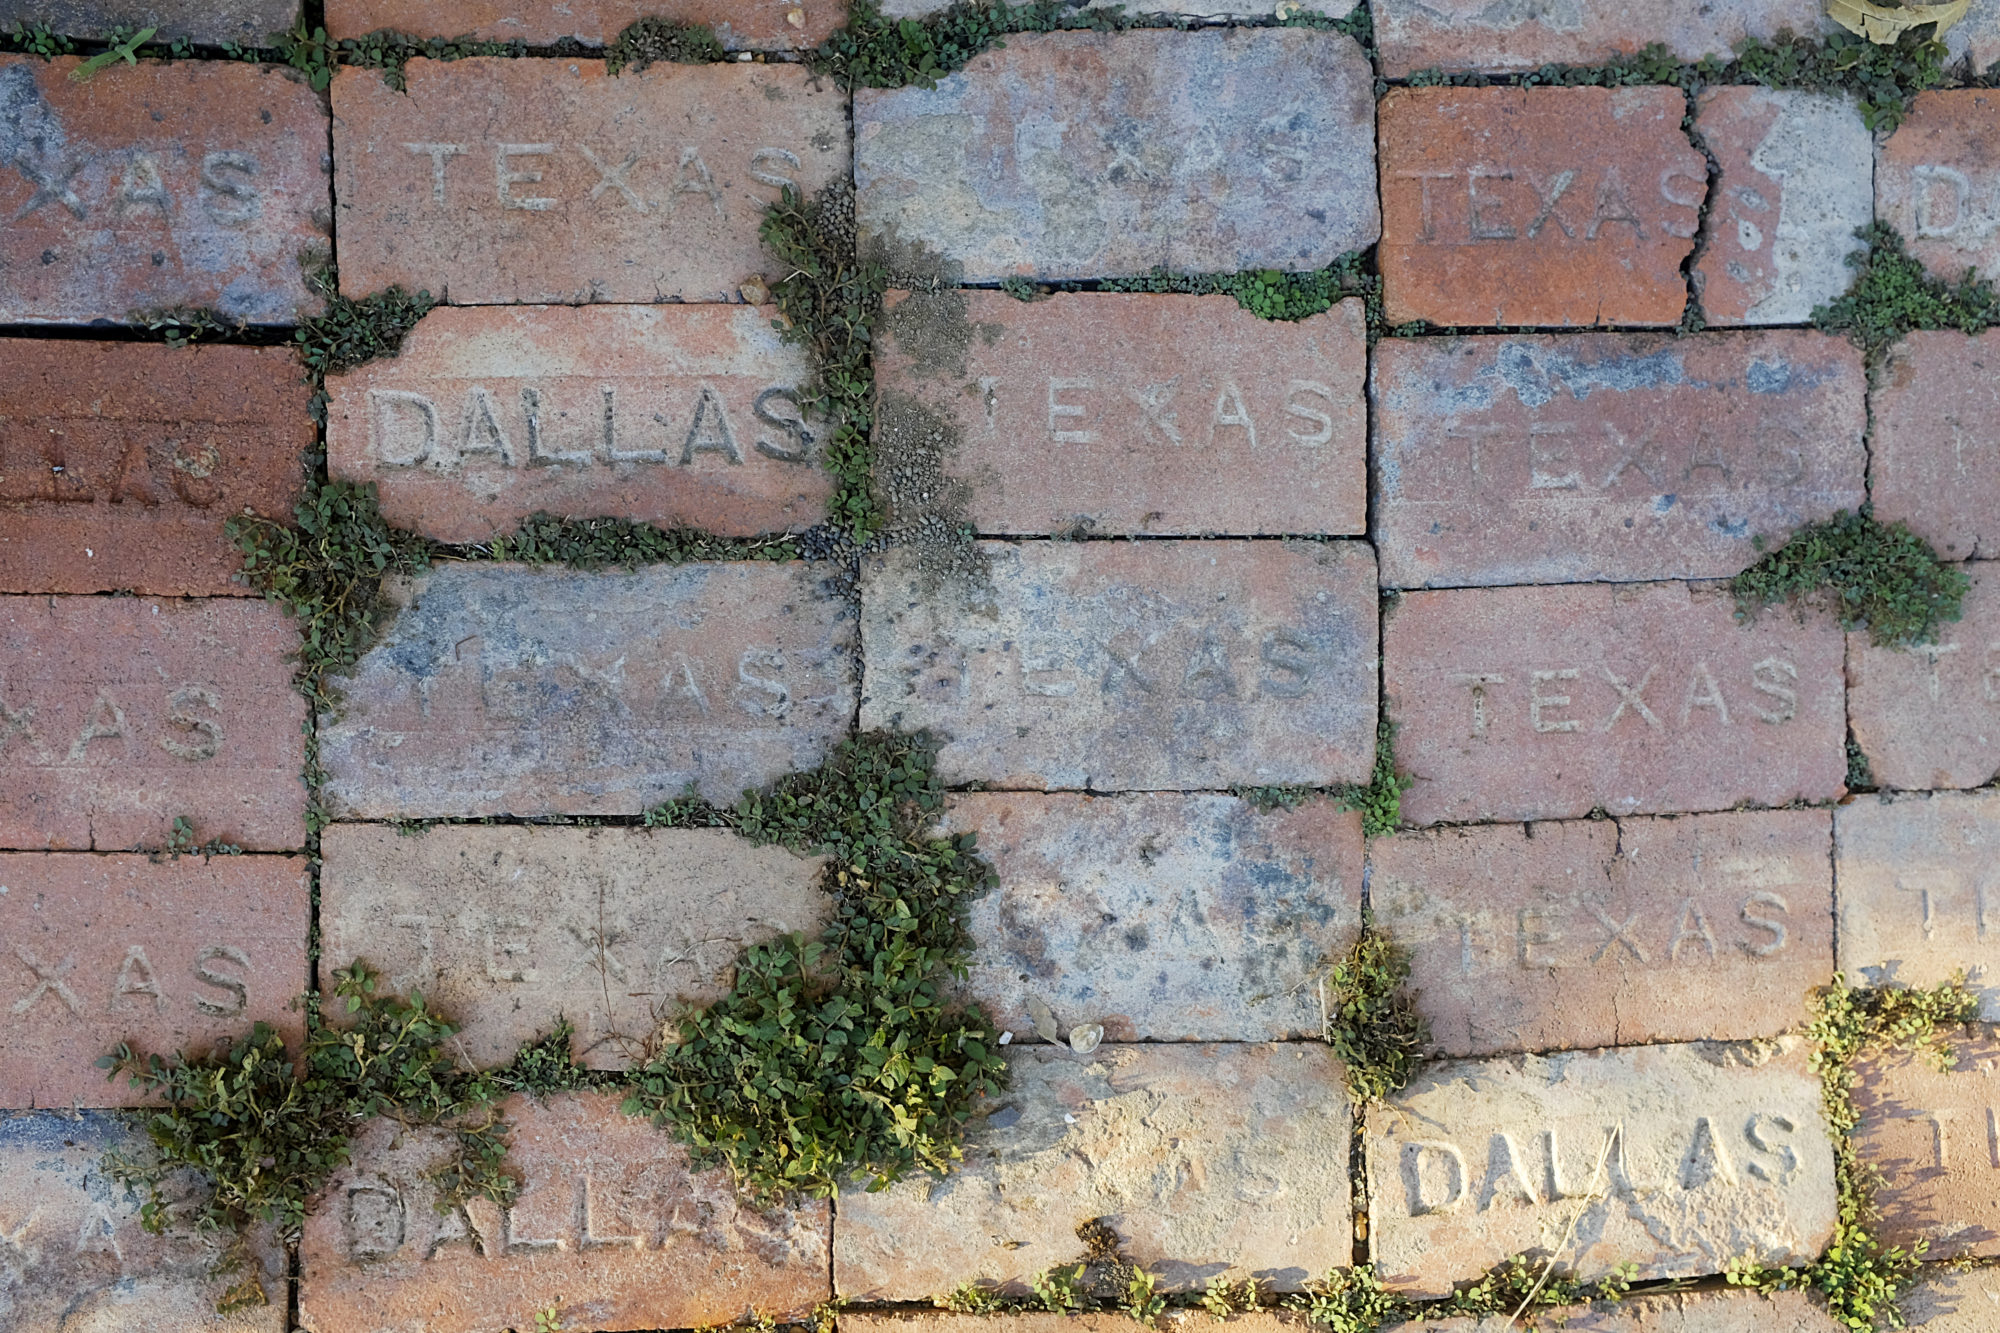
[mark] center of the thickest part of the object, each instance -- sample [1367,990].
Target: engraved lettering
[1208,676]
[613,178]
[1758,1131]
[1441,1157]
[133,478]
[1230,411]
[777,700]
[692,176]
[199,738]
[1123,672]
[793,426]
[773,157]
[687,685]
[1932,220]
[1290,652]
[1616,933]
[191,466]
[1477,207]
[48,981]
[208,976]
[1058,409]
[439,154]
[1934,653]
[373,1227]
[17,722]
[480,431]
[1550,469]
[1305,411]
[1769,902]
[1506,1176]
[1693,925]
[709,432]
[1534,933]
[1427,229]
[1613,205]
[51,184]
[402,427]
[104,721]
[1702,692]
[1548,194]
[1478,684]
[136,977]
[538,456]
[1768,677]
[1706,1158]
[1537,702]
[1688,197]
[510,947]
[1631,696]
[1157,424]
[504,176]
[142,187]
[229,201]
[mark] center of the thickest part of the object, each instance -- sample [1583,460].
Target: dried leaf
[1044,1019]
[1883,24]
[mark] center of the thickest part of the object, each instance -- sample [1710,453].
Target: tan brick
[1937,181]
[508,930]
[1570,458]
[1205,1160]
[183,183]
[1161,917]
[491,693]
[118,715]
[210,22]
[752,25]
[1114,666]
[1610,933]
[479,183]
[1479,34]
[1116,413]
[1929,715]
[1934,459]
[1208,151]
[1935,1137]
[170,955]
[1678,1159]
[1035,1321]
[81,1262]
[673,415]
[1563,206]
[1917,879]
[1706,1312]
[1547,703]
[611,1225]
[1954,1302]
[1205,9]
[120,462]
[1797,180]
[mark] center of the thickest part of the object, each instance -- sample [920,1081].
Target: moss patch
[1874,575]
[1371,1017]
[648,40]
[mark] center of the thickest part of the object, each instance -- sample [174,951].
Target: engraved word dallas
[675,424]
[43,466]
[1592,1161]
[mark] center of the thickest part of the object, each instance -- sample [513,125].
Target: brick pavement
[1155,570]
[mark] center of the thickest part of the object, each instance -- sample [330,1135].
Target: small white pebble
[1005,1037]
[89,553]
[1068,1119]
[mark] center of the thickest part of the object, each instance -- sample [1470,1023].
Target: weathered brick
[211,22]
[1161,917]
[495,691]
[1206,1160]
[181,183]
[1708,1312]
[169,955]
[1115,413]
[1678,1159]
[673,414]
[1202,9]
[1117,666]
[1929,715]
[1918,884]
[1546,703]
[1977,35]
[1563,206]
[118,715]
[611,1224]
[1204,151]
[1610,933]
[79,1260]
[1937,181]
[119,462]
[1569,458]
[508,930]
[1481,34]
[1036,1321]
[1934,458]
[1797,180]
[1935,1137]
[740,25]
[1944,1301]
[494,181]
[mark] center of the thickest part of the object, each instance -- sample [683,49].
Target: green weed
[1371,1018]
[310,51]
[122,47]
[1063,1289]
[182,325]
[973,1298]
[1346,1300]
[36,39]
[351,332]
[1517,1287]
[1878,575]
[183,841]
[1268,293]
[548,1319]
[1143,1299]
[656,39]
[1379,800]
[1893,295]
[600,543]
[840,1055]
[873,51]
[1223,1298]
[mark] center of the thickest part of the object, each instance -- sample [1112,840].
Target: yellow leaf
[1883,24]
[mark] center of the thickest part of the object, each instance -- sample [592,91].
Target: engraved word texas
[516,181]
[1587,933]
[407,429]
[1078,410]
[1594,1162]
[1498,203]
[50,984]
[188,727]
[1573,701]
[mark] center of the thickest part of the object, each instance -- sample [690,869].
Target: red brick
[756,25]
[119,462]
[1555,936]
[478,183]
[124,713]
[612,1226]
[1114,413]
[1934,460]
[675,415]
[1935,1137]
[1569,458]
[1797,180]
[1123,666]
[1919,891]
[1479,34]
[1937,181]
[169,954]
[491,693]
[1928,716]
[211,22]
[1526,703]
[1691,1312]
[185,183]
[1161,917]
[1468,173]
[1951,1300]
